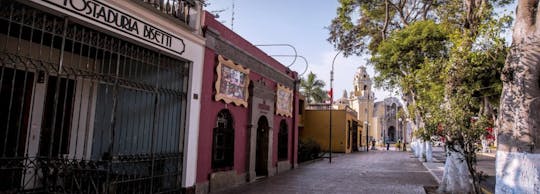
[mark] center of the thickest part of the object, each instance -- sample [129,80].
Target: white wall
[517,172]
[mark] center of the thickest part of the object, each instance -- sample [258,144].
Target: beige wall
[316,127]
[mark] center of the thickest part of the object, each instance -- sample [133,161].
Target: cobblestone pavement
[360,172]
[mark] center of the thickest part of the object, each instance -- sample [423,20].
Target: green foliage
[423,134]
[312,88]
[360,25]
[404,53]
[308,149]
[447,63]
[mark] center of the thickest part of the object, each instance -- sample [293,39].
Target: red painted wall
[242,43]
[210,107]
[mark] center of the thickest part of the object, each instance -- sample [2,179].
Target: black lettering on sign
[97,11]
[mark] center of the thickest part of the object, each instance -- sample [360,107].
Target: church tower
[362,83]
[362,98]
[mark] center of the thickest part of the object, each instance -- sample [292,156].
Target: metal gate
[86,112]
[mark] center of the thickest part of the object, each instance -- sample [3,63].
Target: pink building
[248,126]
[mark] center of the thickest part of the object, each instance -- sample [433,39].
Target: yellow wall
[316,127]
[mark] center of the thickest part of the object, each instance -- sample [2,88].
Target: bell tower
[362,83]
[362,99]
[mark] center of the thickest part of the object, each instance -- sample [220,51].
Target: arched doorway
[392,134]
[353,128]
[261,161]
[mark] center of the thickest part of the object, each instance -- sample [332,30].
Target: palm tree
[312,89]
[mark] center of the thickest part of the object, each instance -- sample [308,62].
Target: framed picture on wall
[284,101]
[232,82]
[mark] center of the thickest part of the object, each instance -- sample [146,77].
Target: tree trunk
[418,150]
[429,151]
[456,177]
[518,157]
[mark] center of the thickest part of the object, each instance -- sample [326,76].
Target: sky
[300,23]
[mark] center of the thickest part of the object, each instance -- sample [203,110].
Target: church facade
[384,124]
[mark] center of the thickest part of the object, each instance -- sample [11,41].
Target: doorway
[392,134]
[261,161]
[354,131]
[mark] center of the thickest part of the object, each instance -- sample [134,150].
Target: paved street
[360,172]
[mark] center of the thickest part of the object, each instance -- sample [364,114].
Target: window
[56,124]
[223,141]
[283,138]
[301,107]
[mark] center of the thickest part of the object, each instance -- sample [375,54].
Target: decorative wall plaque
[284,101]
[232,82]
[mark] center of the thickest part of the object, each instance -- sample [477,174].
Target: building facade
[248,125]
[388,123]
[346,130]
[99,96]
[384,124]
[361,100]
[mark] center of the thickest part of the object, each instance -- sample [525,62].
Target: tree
[519,116]
[376,20]
[411,60]
[455,99]
[312,89]
[476,56]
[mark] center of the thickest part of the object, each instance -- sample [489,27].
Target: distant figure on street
[387,144]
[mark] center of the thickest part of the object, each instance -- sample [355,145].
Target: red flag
[330,93]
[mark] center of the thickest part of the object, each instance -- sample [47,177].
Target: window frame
[223,153]
[283,140]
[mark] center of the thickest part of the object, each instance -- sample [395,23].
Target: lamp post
[300,56]
[403,134]
[366,125]
[331,103]
[287,45]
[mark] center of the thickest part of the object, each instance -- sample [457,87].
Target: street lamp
[302,57]
[404,136]
[287,45]
[331,101]
[366,125]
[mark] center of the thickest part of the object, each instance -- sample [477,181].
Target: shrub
[308,149]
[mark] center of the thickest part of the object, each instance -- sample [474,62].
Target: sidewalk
[485,163]
[377,171]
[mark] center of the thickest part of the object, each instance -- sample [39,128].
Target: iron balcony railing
[82,111]
[181,9]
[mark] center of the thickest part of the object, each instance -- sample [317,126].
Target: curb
[487,154]
[484,190]
[432,173]
[310,162]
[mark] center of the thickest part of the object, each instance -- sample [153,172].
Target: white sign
[114,19]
